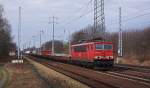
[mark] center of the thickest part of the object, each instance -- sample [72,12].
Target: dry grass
[146,63]
[135,61]
[57,80]
[1,74]
[5,60]
[23,76]
[130,61]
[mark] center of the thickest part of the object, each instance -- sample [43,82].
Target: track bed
[93,78]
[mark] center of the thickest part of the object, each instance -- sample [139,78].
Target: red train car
[46,53]
[95,53]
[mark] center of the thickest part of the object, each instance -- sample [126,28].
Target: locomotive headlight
[110,57]
[103,57]
[98,57]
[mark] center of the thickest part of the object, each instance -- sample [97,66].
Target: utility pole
[69,40]
[53,35]
[69,43]
[19,57]
[40,49]
[29,44]
[19,33]
[34,46]
[33,37]
[120,51]
[99,18]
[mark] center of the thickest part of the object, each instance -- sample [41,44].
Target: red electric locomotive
[95,53]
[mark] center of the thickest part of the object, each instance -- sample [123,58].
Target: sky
[36,16]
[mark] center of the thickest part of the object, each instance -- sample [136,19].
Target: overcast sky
[36,13]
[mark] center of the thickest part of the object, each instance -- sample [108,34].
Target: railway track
[140,73]
[134,68]
[75,75]
[95,79]
[133,74]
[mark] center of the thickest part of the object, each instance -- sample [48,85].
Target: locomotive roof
[92,43]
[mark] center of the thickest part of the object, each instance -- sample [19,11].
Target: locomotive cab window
[80,49]
[107,47]
[103,46]
[99,46]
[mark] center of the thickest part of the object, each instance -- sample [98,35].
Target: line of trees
[5,35]
[136,43]
[59,46]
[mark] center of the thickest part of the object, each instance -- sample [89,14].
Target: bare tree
[59,47]
[5,35]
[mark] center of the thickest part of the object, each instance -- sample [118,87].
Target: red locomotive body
[97,53]
[46,53]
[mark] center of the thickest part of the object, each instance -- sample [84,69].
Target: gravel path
[3,77]
[55,79]
[24,76]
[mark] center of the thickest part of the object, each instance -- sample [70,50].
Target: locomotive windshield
[80,48]
[103,46]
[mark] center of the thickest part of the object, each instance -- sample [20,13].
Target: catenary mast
[99,18]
